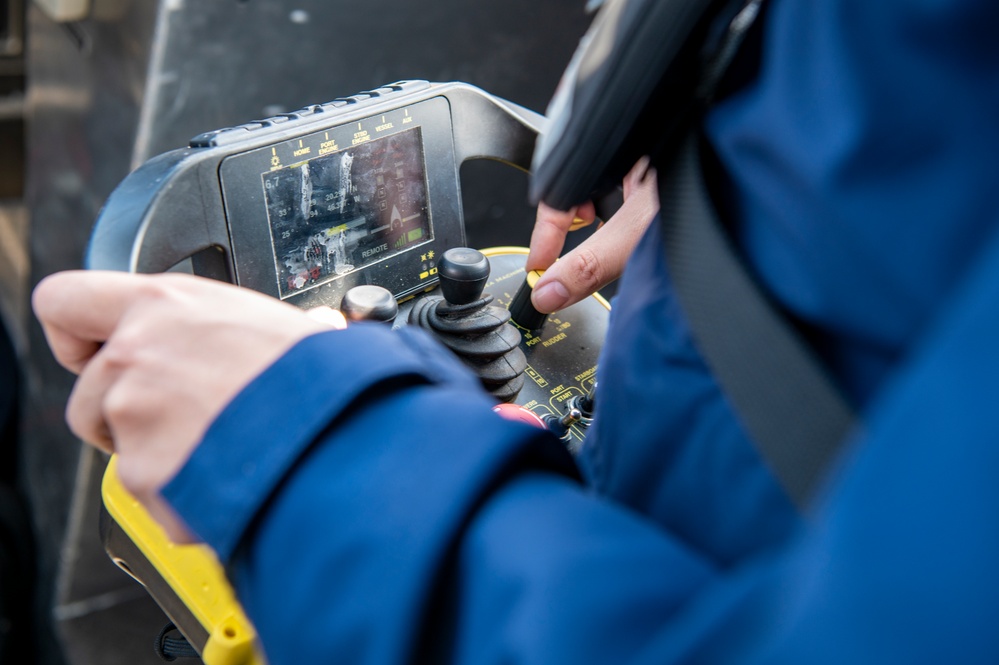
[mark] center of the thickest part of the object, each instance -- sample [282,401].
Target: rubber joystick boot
[476,331]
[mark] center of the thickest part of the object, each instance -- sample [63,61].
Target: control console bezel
[195,204]
[409,271]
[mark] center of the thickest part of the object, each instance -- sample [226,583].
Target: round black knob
[463,273]
[522,310]
[369,303]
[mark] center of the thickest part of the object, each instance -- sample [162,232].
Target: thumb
[596,262]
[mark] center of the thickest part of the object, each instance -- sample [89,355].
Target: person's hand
[600,259]
[158,358]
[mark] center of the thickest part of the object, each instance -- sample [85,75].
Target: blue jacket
[371,508]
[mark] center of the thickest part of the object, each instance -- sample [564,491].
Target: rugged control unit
[354,204]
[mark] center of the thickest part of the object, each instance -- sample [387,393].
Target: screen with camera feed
[336,214]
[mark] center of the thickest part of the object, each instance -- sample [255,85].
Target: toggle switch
[585,404]
[560,426]
[522,310]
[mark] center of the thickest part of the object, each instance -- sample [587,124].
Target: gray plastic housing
[173,207]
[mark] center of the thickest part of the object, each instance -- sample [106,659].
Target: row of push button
[230,135]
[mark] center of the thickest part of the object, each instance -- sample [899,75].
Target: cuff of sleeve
[259,436]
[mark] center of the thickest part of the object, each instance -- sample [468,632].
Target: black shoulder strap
[791,410]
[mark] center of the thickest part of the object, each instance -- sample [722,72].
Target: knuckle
[551,230]
[160,292]
[122,351]
[86,423]
[118,406]
[115,409]
[153,288]
[587,268]
[555,219]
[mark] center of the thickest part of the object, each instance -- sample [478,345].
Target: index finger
[550,229]
[80,309]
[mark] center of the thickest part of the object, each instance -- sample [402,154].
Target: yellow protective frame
[194,574]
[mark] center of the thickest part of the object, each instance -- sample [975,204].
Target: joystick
[463,273]
[476,331]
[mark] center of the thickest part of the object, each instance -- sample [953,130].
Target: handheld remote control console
[354,204]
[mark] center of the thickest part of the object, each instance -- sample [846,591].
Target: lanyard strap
[781,392]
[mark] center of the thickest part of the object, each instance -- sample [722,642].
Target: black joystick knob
[463,273]
[476,331]
[369,303]
[522,309]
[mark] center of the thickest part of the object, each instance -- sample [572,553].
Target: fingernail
[550,297]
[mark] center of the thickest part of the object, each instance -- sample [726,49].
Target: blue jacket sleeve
[362,490]
[419,527]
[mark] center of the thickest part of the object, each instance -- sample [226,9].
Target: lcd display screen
[338,213]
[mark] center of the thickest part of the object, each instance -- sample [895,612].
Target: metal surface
[138,78]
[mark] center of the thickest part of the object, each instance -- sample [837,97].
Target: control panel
[354,204]
[560,350]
